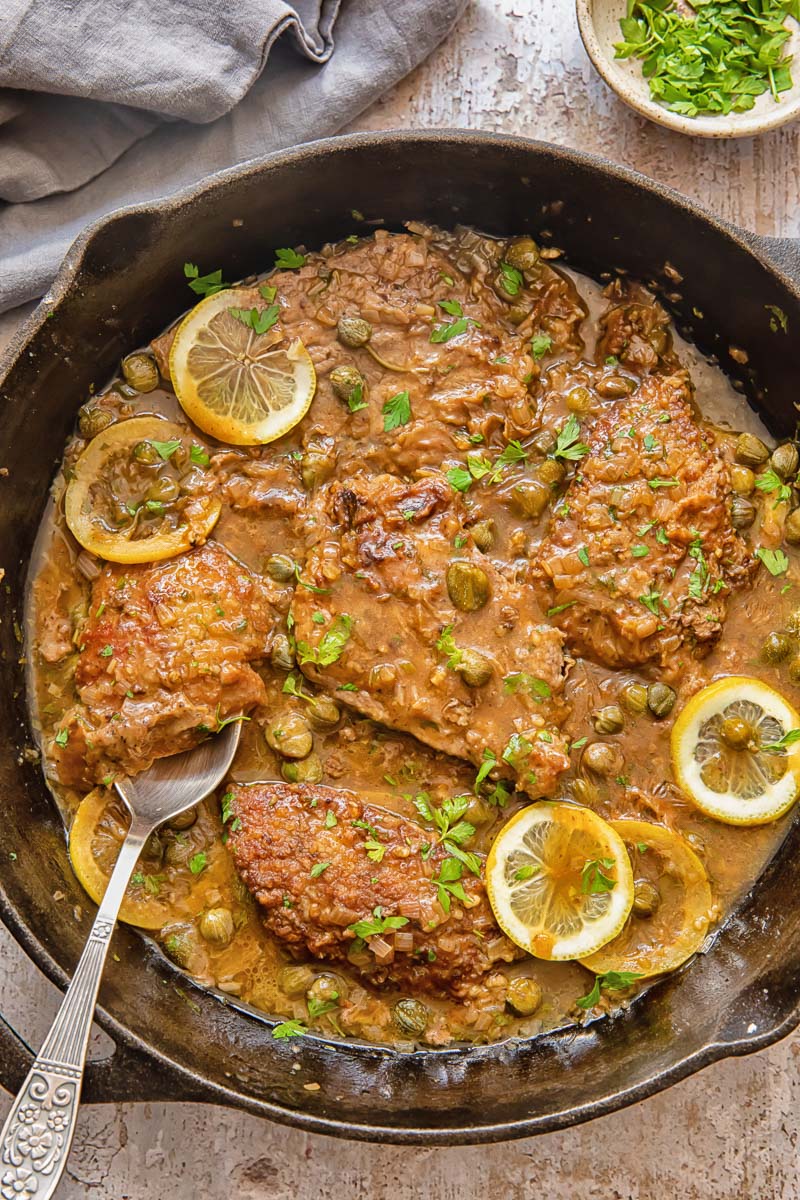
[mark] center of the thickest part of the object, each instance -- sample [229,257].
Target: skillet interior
[122,284]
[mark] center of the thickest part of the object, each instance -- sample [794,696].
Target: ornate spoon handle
[38,1132]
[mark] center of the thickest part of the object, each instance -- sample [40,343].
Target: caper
[483,535]
[295,979]
[145,452]
[524,996]
[383,677]
[317,464]
[777,647]
[646,897]
[216,926]
[791,527]
[602,758]
[327,988]
[736,733]
[411,1017]
[353,331]
[633,697]
[93,420]
[579,400]
[793,671]
[530,497]
[743,480]
[551,472]
[289,735]
[523,254]
[784,460]
[660,700]
[345,381]
[308,770]
[282,655]
[614,387]
[140,371]
[164,490]
[518,313]
[323,713]
[750,451]
[467,585]
[280,567]
[608,719]
[743,512]
[153,850]
[474,668]
[180,943]
[793,623]
[585,792]
[184,820]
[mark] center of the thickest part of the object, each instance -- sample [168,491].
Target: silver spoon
[38,1132]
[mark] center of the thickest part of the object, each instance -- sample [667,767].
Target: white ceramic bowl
[598,21]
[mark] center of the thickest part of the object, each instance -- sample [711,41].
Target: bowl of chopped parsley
[712,68]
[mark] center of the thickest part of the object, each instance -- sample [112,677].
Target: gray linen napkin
[132,74]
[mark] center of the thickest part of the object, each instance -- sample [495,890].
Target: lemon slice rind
[557,930]
[778,797]
[238,386]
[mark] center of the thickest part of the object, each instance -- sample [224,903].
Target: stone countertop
[729,1133]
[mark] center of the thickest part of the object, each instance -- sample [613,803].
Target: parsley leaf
[593,877]
[448,883]
[770,481]
[568,445]
[445,644]
[289,260]
[204,285]
[198,456]
[611,981]
[452,308]
[198,862]
[511,279]
[445,333]
[289,1029]
[165,449]
[62,737]
[520,681]
[783,743]
[459,479]
[318,869]
[778,319]
[331,645]
[540,345]
[396,411]
[371,927]
[259,322]
[775,561]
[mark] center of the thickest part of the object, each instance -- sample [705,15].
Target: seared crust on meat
[641,554]
[382,560]
[286,831]
[165,654]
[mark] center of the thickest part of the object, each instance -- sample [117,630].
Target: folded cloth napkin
[111,102]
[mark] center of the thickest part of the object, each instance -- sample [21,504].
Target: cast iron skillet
[121,283]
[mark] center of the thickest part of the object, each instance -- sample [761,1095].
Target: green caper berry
[660,700]
[474,668]
[323,713]
[750,451]
[295,979]
[282,655]
[216,926]
[280,567]
[524,996]
[777,647]
[93,420]
[145,452]
[345,380]
[411,1017]
[608,719]
[140,372]
[308,770]
[646,897]
[467,585]
[288,734]
[353,332]
[634,698]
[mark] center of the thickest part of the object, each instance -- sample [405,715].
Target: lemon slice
[94,840]
[559,880]
[673,905]
[731,753]
[237,384]
[107,473]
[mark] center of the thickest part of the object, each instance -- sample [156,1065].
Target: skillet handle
[125,1076]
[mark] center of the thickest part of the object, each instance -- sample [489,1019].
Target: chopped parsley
[716,60]
[520,681]
[594,878]
[445,333]
[331,645]
[62,737]
[783,743]
[106,652]
[198,456]
[289,1029]
[448,883]
[377,924]
[770,481]
[650,600]
[540,344]
[583,555]
[568,444]
[259,320]
[525,872]
[165,449]
[611,981]
[396,411]
[198,862]
[204,285]
[318,869]
[557,608]
[452,828]
[289,260]
[452,308]
[662,483]
[639,551]
[445,644]
[459,479]
[511,277]
[775,561]
[778,319]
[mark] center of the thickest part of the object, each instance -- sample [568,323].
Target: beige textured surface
[730,1133]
